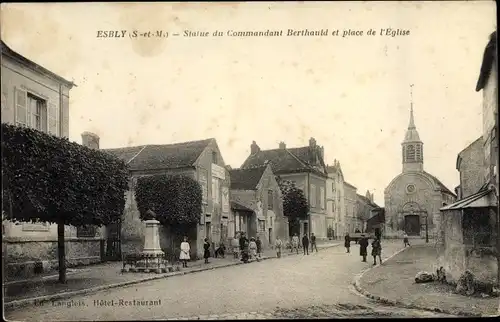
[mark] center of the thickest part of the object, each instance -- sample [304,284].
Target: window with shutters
[21,108]
[36,112]
[54,120]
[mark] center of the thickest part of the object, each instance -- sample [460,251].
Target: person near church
[347,243]
[305,244]
[206,250]
[259,246]
[236,246]
[363,246]
[405,240]
[376,251]
[185,249]
[244,248]
[278,245]
[295,243]
[313,243]
[252,247]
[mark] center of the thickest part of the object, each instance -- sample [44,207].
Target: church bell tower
[412,146]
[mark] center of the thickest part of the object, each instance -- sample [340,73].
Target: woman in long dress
[185,249]
[206,250]
[253,248]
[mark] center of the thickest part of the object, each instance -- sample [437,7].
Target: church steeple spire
[412,121]
[413,154]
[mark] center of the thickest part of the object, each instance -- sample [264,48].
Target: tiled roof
[367,201]
[488,57]
[246,179]
[166,156]
[238,206]
[283,160]
[440,184]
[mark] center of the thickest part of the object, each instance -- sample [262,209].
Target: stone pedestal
[152,239]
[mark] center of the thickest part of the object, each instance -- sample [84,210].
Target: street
[318,285]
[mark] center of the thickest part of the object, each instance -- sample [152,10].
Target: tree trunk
[61,253]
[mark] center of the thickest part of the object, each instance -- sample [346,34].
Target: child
[184,256]
[376,251]
[405,240]
[206,250]
[278,246]
[252,247]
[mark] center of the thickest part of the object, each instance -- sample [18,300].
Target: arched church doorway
[412,225]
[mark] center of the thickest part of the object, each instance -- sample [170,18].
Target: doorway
[412,225]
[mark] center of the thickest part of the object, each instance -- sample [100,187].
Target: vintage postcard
[249,160]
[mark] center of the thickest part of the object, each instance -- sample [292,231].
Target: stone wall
[27,258]
[471,168]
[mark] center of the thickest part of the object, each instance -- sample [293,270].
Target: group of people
[305,244]
[246,249]
[363,247]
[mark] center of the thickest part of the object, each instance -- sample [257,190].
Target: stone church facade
[414,197]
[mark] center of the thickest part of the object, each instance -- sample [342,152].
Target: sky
[352,94]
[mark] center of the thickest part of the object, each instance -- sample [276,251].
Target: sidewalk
[394,283]
[106,275]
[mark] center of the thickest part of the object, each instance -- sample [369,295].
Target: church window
[410,153]
[410,188]
[419,153]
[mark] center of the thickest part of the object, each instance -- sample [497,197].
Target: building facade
[352,222]
[470,235]
[305,167]
[335,198]
[200,160]
[35,97]
[257,205]
[414,197]
[365,207]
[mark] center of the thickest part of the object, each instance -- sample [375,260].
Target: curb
[65,295]
[386,301]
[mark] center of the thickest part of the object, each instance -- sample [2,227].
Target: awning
[481,199]
[240,207]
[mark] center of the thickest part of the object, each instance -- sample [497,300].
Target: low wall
[28,258]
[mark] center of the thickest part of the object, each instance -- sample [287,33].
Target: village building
[200,160]
[336,210]
[35,97]
[413,198]
[305,167]
[365,206]
[257,205]
[352,221]
[376,223]
[470,231]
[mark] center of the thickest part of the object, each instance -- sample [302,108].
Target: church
[414,197]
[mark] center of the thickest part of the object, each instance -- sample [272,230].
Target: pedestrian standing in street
[313,243]
[252,247]
[347,242]
[184,255]
[259,247]
[363,246]
[278,244]
[376,251]
[295,243]
[236,246]
[405,240]
[206,250]
[305,244]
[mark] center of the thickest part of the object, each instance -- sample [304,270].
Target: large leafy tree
[295,204]
[174,199]
[50,179]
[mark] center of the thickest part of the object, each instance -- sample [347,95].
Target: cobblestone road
[314,286]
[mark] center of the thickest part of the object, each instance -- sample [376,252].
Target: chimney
[254,148]
[90,140]
[282,145]
[312,143]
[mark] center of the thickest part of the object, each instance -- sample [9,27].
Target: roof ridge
[298,159]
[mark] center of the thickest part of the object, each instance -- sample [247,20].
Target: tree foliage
[295,204]
[49,179]
[175,199]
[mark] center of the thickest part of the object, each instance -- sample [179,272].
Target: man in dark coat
[305,244]
[347,242]
[313,243]
[363,246]
[244,247]
[258,242]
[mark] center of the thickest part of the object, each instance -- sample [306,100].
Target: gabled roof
[238,206]
[7,51]
[246,179]
[489,56]
[441,185]
[165,156]
[284,160]
[367,201]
